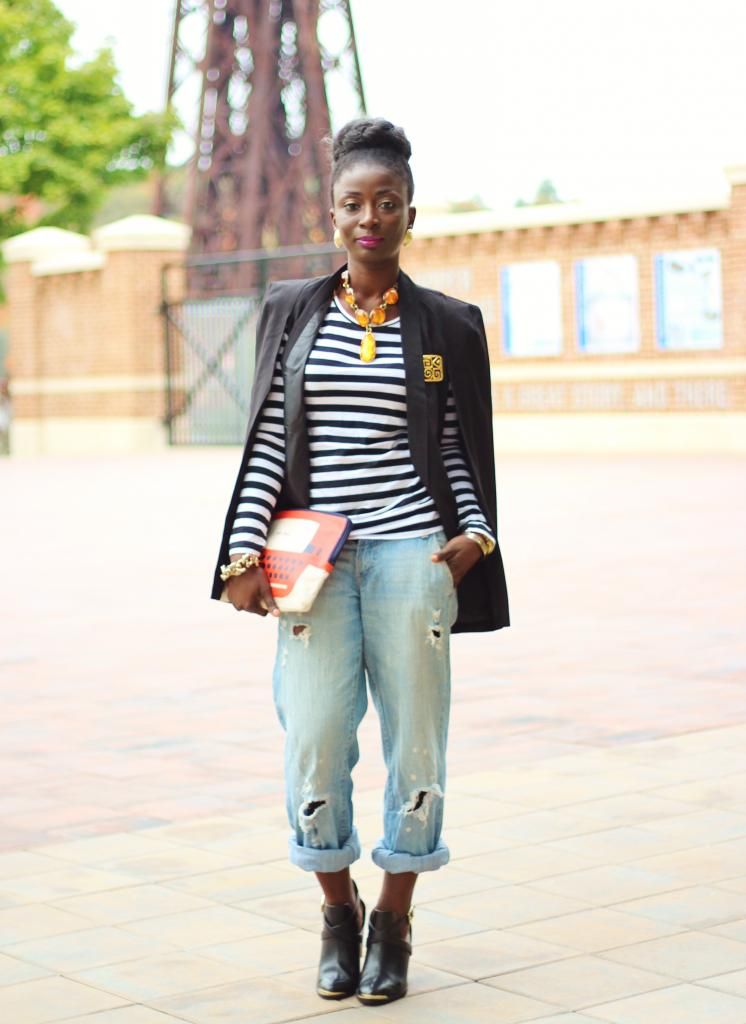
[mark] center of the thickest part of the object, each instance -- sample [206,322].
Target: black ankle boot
[384,974]
[341,945]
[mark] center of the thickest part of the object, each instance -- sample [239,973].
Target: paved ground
[596,798]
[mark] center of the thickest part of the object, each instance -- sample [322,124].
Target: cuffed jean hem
[397,863]
[310,859]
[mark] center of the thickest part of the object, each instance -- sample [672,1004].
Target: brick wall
[86,338]
[86,357]
[651,379]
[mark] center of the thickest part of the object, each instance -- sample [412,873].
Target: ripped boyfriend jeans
[385,613]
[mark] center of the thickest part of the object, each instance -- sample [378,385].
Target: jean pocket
[449,575]
[439,540]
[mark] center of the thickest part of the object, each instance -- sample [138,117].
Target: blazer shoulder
[288,292]
[464,325]
[450,307]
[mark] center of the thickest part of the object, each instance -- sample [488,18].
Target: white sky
[610,100]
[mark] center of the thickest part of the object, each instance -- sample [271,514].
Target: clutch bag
[301,551]
[302,547]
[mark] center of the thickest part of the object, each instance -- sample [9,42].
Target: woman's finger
[266,599]
[444,554]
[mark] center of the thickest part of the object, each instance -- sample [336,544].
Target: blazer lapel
[316,302]
[297,349]
[417,418]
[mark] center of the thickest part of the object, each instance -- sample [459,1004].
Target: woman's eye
[387,205]
[350,206]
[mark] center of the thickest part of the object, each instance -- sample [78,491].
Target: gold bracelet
[486,545]
[237,568]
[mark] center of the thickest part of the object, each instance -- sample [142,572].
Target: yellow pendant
[368,347]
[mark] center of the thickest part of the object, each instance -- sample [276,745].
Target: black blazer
[432,324]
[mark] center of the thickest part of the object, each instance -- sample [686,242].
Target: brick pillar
[86,340]
[734,265]
[27,353]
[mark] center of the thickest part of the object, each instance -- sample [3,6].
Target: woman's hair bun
[372,138]
[370,133]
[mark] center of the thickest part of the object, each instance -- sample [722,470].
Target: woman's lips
[369,242]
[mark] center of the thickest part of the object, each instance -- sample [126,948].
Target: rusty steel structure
[263,75]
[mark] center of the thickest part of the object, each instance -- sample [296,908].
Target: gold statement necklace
[376,316]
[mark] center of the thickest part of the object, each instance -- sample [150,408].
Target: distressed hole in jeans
[308,811]
[434,635]
[302,632]
[420,801]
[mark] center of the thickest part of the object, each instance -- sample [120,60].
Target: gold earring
[408,236]
[338,238]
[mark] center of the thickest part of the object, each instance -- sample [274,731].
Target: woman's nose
[368,216]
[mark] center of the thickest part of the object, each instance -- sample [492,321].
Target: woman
[371,398]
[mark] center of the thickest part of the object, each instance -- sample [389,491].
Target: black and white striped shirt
[360,462]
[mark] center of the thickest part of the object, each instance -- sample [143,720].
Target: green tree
[67,132]
[467,205]
[546,193]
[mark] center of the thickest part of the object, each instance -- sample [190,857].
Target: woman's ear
[412,215]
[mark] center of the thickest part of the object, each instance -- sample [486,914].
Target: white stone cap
[142,233]
[736,174]
[475,222]
[44,243]
[69,263]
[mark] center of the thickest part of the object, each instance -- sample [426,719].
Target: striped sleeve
[263,475]
[470,515]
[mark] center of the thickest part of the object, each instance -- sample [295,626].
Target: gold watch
[486,544]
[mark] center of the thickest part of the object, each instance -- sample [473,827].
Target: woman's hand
[460,554]
[251,592]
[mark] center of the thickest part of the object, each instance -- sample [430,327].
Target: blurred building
[86,361]
[615,327]
[609,329]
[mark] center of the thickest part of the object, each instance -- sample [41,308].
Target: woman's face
[371,211]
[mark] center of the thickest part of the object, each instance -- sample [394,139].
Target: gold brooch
[434,370]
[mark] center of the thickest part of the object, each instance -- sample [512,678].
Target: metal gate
[210,307]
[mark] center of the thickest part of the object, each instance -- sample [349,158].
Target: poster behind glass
[608,304]
[689,299]
[532,308]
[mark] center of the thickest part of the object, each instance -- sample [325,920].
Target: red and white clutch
[302,547]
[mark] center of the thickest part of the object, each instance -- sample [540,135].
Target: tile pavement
[597,793]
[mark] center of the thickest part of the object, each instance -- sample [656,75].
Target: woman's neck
[369,283]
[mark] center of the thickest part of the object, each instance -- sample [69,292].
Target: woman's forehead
[368,176]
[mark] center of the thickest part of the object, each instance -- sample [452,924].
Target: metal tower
[263,74]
